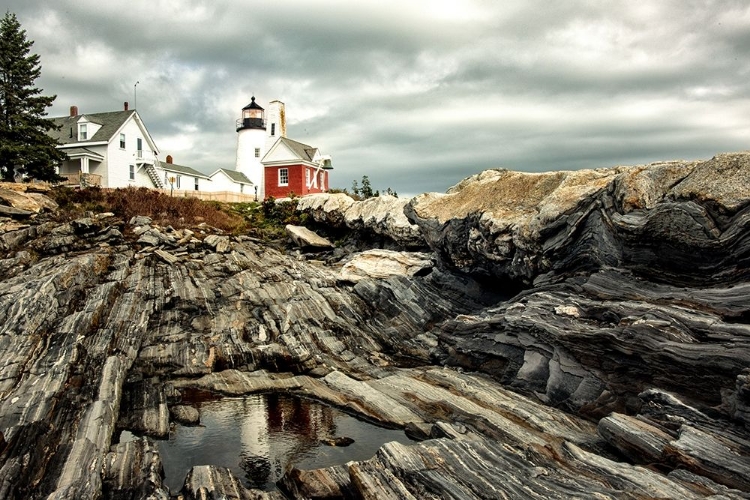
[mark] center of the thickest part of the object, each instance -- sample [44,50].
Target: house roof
[182,170]
[234,175]
[303,151]
[110,123]
[78,151]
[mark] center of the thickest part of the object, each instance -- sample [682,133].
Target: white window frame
[122,141]
[83,132]
[131,174]
[283,177]
[257,152]
[177,182]
[196,184]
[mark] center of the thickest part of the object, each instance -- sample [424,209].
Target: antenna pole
[135,95]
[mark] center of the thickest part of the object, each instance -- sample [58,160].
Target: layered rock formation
[579,334]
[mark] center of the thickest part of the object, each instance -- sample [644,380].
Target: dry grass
[164,210]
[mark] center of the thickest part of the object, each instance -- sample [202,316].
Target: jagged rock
[17,213]
[303,237]
[384,263]
[615,293]
[381,215]
[23,201]
[219,243]
[518,226]
[140,220]
[184,414]
[147,409]
[207,482]
[134,470]
[166,256]
[331,482]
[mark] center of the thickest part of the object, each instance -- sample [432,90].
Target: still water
[261,436]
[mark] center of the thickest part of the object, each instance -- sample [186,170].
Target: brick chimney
[169,159]
[125,106]
[74,111]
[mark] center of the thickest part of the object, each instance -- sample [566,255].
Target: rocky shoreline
[560,335]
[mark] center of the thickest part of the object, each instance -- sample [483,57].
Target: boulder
[380,215]
[385,263]
[303,237]
[23,201]
[184,414]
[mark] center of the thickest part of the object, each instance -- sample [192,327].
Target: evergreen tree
[25,147]
[366,190]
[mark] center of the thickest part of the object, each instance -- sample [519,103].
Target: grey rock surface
[580,335]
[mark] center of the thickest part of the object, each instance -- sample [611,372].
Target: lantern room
[253,116]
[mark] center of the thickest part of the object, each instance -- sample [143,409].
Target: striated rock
[207,482]
[384,263]
[329,483]
[329,209]
[134,470]
[519,226]
[580,335]
[25,201]
[219,243]
[303,237]
[380,215]
[17,213]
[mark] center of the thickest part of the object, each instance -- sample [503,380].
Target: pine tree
[25,147]
[366,190]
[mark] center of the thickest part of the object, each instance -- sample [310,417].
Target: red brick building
[291,167]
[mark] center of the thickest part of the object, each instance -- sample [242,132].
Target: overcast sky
[416,94]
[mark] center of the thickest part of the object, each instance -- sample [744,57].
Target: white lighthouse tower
[255,136]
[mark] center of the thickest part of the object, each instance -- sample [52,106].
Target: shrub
[164,210]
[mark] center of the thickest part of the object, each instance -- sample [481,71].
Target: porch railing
[81,179]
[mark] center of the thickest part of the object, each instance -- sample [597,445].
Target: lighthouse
[257,131]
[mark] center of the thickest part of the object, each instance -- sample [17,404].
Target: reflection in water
[261,436]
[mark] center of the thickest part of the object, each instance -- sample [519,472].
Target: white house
[180,177]
[231,181]
[112,149]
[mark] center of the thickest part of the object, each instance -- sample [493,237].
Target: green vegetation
[267,219]
[364,190]
[25,147]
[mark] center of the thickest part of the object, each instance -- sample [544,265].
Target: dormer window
[82,132]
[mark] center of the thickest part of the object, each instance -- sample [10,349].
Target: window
[132,172]
[82,132]
[283,177]
[242,188]
[257,152]
[273,129]
[178,182]
[139,147]
[196,184]
[122,141]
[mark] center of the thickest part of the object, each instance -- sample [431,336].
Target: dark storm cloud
[416,95]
